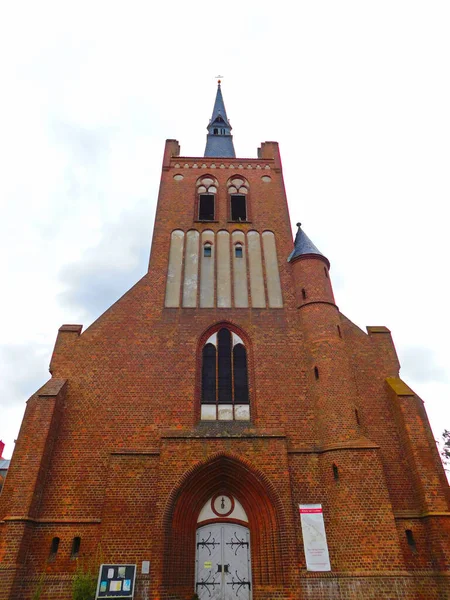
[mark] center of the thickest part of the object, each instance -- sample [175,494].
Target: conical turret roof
[304,246]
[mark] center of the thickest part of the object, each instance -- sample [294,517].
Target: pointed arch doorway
[223,474]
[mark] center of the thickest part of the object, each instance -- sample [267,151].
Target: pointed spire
[219,107]
[303,246]
[219,141]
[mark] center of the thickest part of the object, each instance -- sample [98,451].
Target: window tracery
[238,188]
[225,391]
[207,187]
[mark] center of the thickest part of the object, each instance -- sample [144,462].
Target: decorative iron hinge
[204,583]
[240,583]
[239,543]
[206,543]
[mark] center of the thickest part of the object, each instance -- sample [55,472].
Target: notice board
[116,581]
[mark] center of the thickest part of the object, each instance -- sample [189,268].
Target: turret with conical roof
[219,141]
[332,382]
[310,270]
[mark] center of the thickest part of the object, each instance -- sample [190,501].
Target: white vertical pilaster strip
[207,271]
[272,273]
[191,269]
[240,286]
[256,271]
[223,270]
[173,282]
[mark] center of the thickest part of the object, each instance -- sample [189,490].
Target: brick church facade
[189,422]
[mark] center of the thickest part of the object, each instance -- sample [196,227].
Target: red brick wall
[127,465]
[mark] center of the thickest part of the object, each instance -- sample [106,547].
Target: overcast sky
[357,93]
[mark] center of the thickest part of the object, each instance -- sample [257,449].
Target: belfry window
[238,208]
[225,394]
[206,190]
[238,192]
[206,207]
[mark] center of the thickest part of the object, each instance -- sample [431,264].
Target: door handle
[223,568]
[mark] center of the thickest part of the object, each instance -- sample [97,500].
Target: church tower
[223,429]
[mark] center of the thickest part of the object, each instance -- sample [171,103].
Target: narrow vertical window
[238,251]
[303,293]
[357,416]
[240,374]
[326,272]
[207,250]
[225,377]
[53,549]
[339,331]
[335,472]
[410,539]
[209,374]
[316,372]
[75,548]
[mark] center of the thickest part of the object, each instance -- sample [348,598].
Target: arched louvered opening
[224,378]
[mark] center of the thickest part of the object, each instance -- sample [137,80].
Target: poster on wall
[116,581]
[314,537]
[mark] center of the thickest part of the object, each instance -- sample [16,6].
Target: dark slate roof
[219,108]
[303,245]
[219,144]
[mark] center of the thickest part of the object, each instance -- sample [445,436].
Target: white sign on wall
[314,537]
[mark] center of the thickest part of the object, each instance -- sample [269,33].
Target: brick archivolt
[208,269]
[224,474]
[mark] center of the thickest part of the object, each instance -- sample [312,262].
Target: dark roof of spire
[303,245]
[219,108]
[219,141]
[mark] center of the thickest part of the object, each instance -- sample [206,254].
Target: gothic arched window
[238,188]
[206,193]
[225,395]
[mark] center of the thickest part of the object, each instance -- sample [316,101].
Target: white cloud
[355,93]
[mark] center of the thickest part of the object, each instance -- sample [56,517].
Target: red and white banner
[314,537]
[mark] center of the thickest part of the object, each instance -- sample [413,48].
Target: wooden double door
[223,567]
